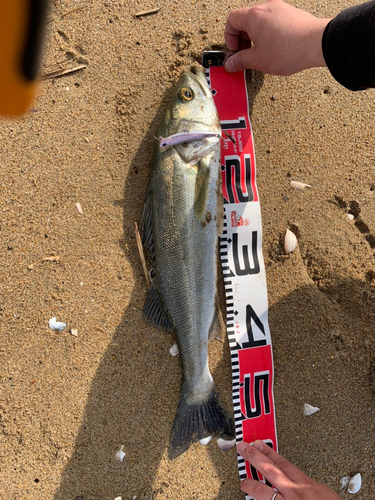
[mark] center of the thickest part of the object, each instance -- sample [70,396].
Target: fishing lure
[182,137]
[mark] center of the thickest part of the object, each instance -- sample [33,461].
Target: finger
[239,61]
[244,42]
[236,22]
[265,466]
[258,490]
[235,41]
[290,470]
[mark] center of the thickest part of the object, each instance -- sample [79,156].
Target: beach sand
[68,403]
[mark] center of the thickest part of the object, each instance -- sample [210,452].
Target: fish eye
[186,94]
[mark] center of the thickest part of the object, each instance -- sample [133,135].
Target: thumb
[239,61]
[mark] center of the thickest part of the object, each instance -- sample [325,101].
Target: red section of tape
[237,153]
[256,396]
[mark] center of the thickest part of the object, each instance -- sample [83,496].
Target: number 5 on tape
[243,266]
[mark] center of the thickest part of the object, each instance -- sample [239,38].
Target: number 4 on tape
[243,266]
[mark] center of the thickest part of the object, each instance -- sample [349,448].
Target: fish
[181,223]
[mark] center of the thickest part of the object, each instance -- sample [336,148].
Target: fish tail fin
[197,421]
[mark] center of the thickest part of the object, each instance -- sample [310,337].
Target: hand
[290,482]
[275,38]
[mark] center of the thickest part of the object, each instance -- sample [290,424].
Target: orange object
[21,33]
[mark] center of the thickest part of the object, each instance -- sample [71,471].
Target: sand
[68,403]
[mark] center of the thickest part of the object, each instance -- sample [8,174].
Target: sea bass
[180,227]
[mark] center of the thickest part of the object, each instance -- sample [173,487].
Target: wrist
[313,44]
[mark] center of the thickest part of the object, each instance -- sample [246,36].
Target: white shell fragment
[344,482]
[120,455]
[74,332]
[118,498]
[173,351]
[355,483]
[79,208]
[290,241]
[226,445]
[309,410]
[299,185]
[56,325]
[350,216]
[205,441]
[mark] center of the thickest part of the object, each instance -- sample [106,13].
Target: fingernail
[241,446]
[229,66]
[258,444]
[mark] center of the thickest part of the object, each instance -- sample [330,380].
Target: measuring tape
[243,267]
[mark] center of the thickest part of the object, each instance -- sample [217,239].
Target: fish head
[192,108]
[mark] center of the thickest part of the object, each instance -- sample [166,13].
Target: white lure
[180,138]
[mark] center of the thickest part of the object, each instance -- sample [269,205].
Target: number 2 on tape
[243,267]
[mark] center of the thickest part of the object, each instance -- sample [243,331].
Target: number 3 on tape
[243,266]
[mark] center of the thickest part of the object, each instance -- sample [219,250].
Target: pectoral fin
[202,184]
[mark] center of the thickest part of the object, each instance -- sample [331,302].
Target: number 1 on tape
[243,266]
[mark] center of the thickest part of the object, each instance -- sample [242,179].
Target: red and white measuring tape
[243,267]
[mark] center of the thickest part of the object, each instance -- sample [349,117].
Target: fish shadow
[133,374]
[134,393]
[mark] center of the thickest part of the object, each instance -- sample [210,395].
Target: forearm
[349,46]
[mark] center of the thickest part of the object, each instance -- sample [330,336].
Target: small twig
[51,258]
[58,64]
[62,71]
[230,137]
[141,253]
[147,12]
[60,16]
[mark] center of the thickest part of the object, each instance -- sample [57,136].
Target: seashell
[79,208]
[120,498]
[226,445]
[299,185]
[290,241]
[120,455]
[344,482]
[309,410]
[355,483]
[350,216]
[56,325]
[205,441]
[173,351]
[74,332]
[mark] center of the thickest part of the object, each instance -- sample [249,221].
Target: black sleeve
[349,46]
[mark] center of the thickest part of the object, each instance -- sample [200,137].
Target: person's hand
[290,482]
[274,38]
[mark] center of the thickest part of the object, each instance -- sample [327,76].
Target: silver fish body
[180,226]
